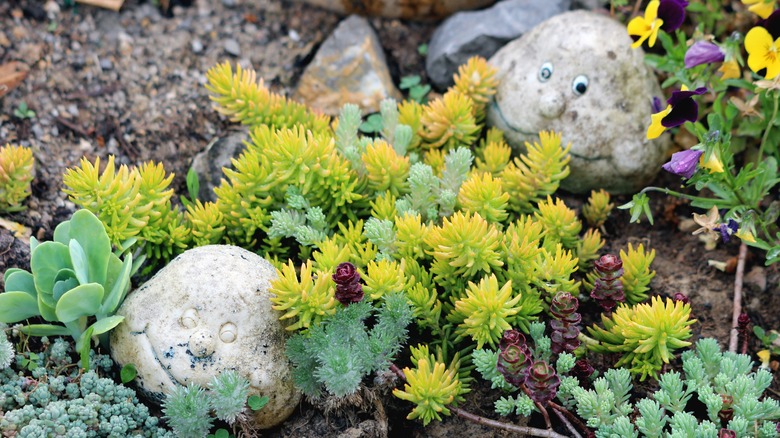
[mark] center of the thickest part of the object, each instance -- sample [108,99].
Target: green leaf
[62,233]
[193,184]
[45,330]
[105,324]
[83,300]
[8,273]
[46,262]
[21,281]
[83,347]
[128,373]
[409,82]
[221,433]
[372,124]
[418,92]
[46,309]
[62,286]
[80,262]
[119,285]
[422,49]
[90,233]
[256,402]
[16,306]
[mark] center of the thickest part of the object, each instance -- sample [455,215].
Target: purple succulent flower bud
[683,163]
[511,337]
[542,382]
[672,12]
[348,287]
[727,433]
[513,363]
[678,296]
[582,369]
[703,52]
[684,108]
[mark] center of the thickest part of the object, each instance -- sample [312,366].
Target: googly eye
[579,85]
[545,73]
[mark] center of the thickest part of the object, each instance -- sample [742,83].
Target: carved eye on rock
[545,72]
[228,332]
[579,85]
[189,319]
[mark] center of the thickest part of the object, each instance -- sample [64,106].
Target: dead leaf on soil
[20,231]
[114,5]
[11,75]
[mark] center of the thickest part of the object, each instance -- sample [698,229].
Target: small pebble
[106,64]
[197,46]
[73,110]
[229,3]
[232,47]
[294,35]
[37,131]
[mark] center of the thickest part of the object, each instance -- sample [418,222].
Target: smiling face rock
[208,311]
[576,74]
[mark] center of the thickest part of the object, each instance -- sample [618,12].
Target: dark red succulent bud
[678,296]
[743,320]
[564,306]
[609,266]
[563,337]
[511,337]
[726,412]
[513,363]
[542,382]
[727,433]
[608,289]
[582,369]
[348,287]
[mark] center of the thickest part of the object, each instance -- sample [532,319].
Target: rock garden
[444,218]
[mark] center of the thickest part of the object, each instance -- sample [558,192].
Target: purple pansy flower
[727,229]
[771,24]
[683,163]
[703,52]
[684,108]
[672,12]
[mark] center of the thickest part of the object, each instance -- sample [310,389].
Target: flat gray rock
[208,163]
[350,67]
[482,33]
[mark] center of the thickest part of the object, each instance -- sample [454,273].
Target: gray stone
[208,164]
[232,47]
[482,33]
[590,86]
[350,67]
[208,311]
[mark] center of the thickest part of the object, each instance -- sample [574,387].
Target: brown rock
[350,67]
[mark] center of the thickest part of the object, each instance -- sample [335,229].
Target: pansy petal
[685,111]
[656,128]
[771,23]
[672,12]
[773,68]
[684,94]
[758,43]
[703,52]
[762,9]
[730,70]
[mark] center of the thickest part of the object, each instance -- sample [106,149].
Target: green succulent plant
[73,278]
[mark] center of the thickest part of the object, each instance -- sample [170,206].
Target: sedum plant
[645,334]
[17,169]
[72,279]
[731,392]
[596,211]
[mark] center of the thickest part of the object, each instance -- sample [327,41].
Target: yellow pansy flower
[712,163]
[762,51]
[646,27]
[762,8]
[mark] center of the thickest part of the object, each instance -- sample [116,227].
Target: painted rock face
[207,311]
[406,9]
[577,74]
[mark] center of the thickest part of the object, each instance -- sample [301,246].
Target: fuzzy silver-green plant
[228,392]
[17,169]
[187,410]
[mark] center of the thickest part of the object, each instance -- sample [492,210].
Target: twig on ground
[528,431]
[737,310]
[567,424]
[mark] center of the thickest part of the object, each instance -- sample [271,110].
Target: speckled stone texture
[207,311]
[605,121]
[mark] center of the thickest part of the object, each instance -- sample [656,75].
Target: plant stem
[683,195]
[585,339]
[737,309]
[573,418]
[567,424]
[524,430]
[764,138]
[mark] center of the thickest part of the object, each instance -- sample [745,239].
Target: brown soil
[131,84]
